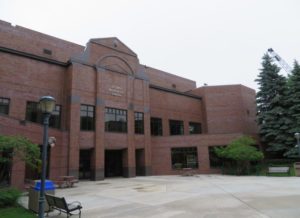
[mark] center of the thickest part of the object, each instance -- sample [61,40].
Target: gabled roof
[114,43]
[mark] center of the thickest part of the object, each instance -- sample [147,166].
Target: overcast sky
[214,41]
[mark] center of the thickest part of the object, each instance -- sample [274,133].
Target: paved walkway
[207,196]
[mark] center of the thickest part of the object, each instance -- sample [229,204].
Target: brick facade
[106,73]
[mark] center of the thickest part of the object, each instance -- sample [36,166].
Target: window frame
[57,124]
[177,126]
[35,109]
[199,127]
[139,126]
[4,105]
[85,123]
[185,153]
[39,115]
[119,126]
[153,123]
[215,162]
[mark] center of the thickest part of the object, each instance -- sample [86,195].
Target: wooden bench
[274,169]
[66,181]
[60,204]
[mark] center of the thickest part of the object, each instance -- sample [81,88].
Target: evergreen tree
[293,105]
[271,105]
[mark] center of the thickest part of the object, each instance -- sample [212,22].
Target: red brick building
[114,116]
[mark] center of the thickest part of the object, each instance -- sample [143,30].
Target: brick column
[129,155]
[73,152]
[147,128]
[17,173]
[97,163]
[165,125]
[186,127]
[203,158]
[74,122]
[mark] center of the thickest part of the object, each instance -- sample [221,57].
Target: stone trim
[174,92]
[33,56]
[74,99]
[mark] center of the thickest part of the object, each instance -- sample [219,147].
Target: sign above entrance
[116,90]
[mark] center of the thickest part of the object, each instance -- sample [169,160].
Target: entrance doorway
[113,163]
[140,162]
[85,164]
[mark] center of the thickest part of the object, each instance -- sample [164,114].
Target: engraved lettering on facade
[116,90]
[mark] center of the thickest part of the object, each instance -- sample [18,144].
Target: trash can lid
[49,185]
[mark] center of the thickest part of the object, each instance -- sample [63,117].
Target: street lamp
[46,105]
[297,136]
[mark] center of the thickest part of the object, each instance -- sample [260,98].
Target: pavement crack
[239,199]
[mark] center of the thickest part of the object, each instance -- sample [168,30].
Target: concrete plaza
[209,196]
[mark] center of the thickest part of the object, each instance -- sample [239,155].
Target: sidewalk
[207,196]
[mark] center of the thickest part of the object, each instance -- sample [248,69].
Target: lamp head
[47,104]
[297,135]
[51,141]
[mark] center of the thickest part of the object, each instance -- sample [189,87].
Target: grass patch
[16,212]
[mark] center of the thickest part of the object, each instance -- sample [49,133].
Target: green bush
[239,155]
[9,197]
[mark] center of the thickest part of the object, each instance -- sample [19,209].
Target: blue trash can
[49,185]
[34,194]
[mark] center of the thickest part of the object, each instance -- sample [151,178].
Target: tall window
[156,126]
[176,127]
[4,105]
[5,168]
[87,117]
[139,122]
[33,114]
[184,157]
[195,128]
[214,160]
[115,120]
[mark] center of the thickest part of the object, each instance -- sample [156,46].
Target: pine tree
[293,105]
[271,105]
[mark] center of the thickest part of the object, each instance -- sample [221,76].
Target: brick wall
[106,73]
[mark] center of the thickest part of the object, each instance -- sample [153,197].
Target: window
[54,120]
[176,127]
[115,120]
[33,114]
[87,117]
[5,168]
[4,105]
[184,157]
[156,126]
[139,122]
[195,128]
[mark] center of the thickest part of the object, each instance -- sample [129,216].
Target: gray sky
[214,41]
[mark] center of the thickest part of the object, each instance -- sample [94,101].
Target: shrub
[9,197]
[241,152]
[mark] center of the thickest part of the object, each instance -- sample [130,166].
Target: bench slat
[278,169]
[60,204]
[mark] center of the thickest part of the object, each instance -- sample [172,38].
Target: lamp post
[46,105]
[297,136]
